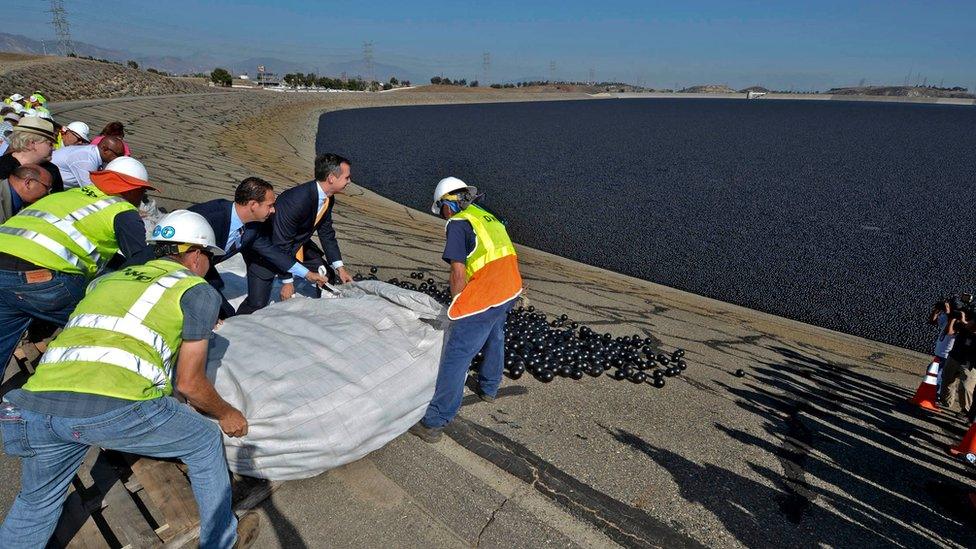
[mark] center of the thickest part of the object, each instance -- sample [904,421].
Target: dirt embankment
[905,91]
[64,78]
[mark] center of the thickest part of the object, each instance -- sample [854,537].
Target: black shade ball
[740,373]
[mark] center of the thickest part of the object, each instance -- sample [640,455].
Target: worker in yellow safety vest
[52,248]
[107,381]
[485,281]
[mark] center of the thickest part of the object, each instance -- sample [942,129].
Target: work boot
[247,530]
[427,434]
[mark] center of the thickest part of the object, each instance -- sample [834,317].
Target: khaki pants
[958,383]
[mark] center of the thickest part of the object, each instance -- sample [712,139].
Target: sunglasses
[47,186]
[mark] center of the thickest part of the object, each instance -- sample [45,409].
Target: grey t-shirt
[199,304]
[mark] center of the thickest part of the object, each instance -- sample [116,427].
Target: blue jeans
[465,337]
[21,303]
[52,448]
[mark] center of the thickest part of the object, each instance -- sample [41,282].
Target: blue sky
[778,44]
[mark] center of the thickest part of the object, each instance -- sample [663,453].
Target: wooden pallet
[121,500]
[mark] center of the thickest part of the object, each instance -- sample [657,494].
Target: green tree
[132,64]
[436,80]
[474,84]
[221,77]
[394,81]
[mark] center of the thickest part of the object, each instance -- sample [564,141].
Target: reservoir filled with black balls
[853,216]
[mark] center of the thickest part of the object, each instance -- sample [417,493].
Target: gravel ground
[849,216]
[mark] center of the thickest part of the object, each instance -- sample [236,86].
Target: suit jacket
[255,239]
[6,201]
[293,224]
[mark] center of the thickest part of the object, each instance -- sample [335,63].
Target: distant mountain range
[205,62]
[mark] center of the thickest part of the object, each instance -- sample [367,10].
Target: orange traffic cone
[968,444]
[925,396]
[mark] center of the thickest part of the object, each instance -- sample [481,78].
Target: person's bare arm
[459,277]
[936,311]
[192,383]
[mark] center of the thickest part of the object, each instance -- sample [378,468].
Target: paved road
[814,446]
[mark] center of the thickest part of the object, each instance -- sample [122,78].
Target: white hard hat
[80,129]
[30,112]
[45,114]
[126,165]
[17,107]
[16,97]
[449,185]
[185,227]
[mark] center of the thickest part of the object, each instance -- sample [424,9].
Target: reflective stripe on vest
[66,226]
[153,294]
[107,355]
[45,242]
[130,325]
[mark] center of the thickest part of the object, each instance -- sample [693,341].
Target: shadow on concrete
[858,466]
[284,530]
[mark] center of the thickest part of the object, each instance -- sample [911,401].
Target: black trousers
[260,279]
[261,276]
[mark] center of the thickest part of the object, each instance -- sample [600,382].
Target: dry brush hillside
[63,78]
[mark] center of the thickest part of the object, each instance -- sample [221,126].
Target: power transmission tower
[485,67]
[368,60]
[59,20]
[592,76]
[552,71]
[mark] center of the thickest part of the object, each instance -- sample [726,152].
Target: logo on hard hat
[168,232]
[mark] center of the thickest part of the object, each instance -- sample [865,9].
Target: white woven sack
[323,382]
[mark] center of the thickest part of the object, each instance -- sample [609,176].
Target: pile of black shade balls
[547,349]
[559,347]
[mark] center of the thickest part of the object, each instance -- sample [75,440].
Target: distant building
[268,79]
[244,77]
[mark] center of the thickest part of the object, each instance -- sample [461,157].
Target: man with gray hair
[26,185]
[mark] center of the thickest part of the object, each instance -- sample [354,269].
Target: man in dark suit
[300,212]
[238,227]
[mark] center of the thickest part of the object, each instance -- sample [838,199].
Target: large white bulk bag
[323,382]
